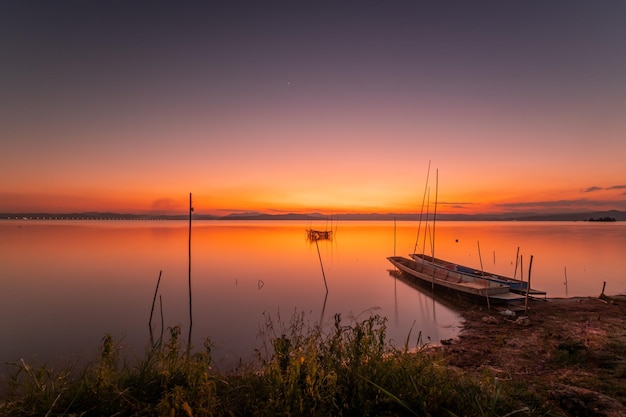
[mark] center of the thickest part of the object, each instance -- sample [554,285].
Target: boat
[423,271]
[516,285]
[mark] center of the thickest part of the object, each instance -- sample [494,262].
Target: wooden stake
[480,258]
[516,263]
[482,272]
[189,263]
[530,267]
[602,296]
[394,235]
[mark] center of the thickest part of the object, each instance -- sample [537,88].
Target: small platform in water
[314,235]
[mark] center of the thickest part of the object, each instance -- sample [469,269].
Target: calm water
[67,283]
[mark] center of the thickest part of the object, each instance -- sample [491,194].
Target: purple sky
[131,105]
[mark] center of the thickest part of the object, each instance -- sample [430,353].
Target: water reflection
[67,283]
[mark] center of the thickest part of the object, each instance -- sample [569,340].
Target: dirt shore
[569,355]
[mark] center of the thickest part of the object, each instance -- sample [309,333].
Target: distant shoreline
[596,216]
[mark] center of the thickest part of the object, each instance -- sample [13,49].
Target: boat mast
[419,225]
[427,231]
[434,221]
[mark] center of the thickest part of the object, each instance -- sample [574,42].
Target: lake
[65,284]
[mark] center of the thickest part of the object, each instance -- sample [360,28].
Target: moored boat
[477,288]
[516,285]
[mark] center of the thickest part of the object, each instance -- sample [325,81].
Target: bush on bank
[347,370]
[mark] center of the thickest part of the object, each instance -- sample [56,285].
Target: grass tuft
[347,369]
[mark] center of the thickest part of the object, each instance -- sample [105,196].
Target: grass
[302,370]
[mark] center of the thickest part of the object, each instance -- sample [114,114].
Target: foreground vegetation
[347,370]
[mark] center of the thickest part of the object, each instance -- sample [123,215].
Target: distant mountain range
[583,216]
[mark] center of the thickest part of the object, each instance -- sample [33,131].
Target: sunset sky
[318,106]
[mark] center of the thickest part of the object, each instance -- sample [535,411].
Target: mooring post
[189,270]
[530,267]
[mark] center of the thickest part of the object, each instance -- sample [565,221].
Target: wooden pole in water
[394,235]
[565,271]
[530,266]
[516,263]
[483,274]
[189,272]
[480,258]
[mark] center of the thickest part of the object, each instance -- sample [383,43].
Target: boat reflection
[451,301]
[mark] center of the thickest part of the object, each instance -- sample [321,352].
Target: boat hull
[426,273]
[516,285]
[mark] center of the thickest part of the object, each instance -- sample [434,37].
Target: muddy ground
[567,358]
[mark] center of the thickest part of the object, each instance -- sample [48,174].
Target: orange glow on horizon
[453,195]
[222,205]
[273,120]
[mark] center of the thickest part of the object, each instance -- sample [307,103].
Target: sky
[318,106]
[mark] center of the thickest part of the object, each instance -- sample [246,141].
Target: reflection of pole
[321,264]
[323,308]
[395,298]
[156,291]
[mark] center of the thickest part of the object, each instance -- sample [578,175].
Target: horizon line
[250,215]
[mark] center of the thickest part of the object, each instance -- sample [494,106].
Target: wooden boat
[516,285]
[428,273]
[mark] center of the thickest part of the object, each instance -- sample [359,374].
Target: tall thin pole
[190,314]
[482,272]
[419,225]
[516,264]
[434,222]
[427,225]
[530,267]
[394,235]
